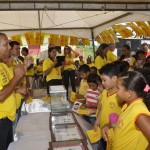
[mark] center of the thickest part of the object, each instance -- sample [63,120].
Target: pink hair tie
[147,88]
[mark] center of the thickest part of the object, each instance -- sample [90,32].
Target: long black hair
[49,50]
[100,50]
[136,81]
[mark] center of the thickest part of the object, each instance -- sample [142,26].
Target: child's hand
[104,131]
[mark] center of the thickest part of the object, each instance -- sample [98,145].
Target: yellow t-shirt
[100,62]
[8,106]
[55,73]
[39,69]
[83,87]
[30,72]
[131,61]
[109,104]
[18,96]
[70,59]
[81,63]
[111,57]
[91,65]
[126,134]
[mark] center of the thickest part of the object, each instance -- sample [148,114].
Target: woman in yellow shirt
[69,69]
[101,56]
[52,73]
[132,130]
[126,56]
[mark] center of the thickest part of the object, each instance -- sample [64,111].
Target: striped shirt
[92,96]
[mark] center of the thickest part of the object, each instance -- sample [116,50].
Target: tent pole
[92,33]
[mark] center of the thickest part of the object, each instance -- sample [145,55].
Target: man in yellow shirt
[30,69]
[110,56]
[7,99]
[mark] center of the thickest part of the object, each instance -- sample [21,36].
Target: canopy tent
[72,23]
[85,19]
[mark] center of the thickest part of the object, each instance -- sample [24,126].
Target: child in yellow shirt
[132,130]
[109,102]
[84,71]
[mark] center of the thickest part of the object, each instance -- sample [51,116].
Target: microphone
[16,60]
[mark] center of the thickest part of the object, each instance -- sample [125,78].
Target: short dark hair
[110,70]
[25,49]
[140,52]
[12,43]
[144,44]
[2,34]
[126,46]
[94,68]
[84,68]
[94,78]
[122,65]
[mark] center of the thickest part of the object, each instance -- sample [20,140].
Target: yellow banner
[109,36]
[39,38]
[29,38]
[137,30]
[99,39]
[64,40]
[104,37]
[74,40]
[145,27]
[17,38]
[123,31]
[111,32]
[54,39]
[85,41]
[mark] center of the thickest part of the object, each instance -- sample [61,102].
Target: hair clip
[147,88]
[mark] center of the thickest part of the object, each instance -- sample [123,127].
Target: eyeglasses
[66,48]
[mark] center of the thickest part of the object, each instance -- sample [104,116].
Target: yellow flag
[137,30]
[113,34]
[99,39]
[145,27]
[109,36]
[29,38]
[123,31]
[74,40]
[17,38]
[104,37]
[39,38]
[63,40]
[85,41]
[54,39]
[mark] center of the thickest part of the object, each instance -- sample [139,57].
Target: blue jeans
[102,144]
[89,119]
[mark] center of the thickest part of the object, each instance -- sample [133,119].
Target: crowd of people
[107,85]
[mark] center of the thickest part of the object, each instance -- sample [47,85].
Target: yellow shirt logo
[120,123]
[112,105]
